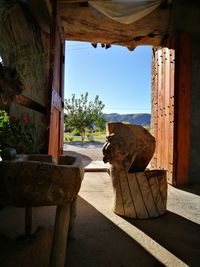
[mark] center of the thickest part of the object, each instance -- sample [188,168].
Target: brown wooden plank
[164,115]
[29,103]
[54,133]
[159,141]
[57,62]
[171,118]
[182,107]
[51,70]
[61,128]
[162,89]
[162,104]
[154,108]
[56,91]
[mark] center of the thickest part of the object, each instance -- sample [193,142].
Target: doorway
[121,78]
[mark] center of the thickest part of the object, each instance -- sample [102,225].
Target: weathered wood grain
[60,236]
[88,24]
[139,195]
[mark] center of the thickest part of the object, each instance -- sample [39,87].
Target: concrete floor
[103,239]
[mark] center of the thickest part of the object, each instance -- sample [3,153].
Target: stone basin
[37,180]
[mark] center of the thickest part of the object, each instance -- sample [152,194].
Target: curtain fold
[126,11]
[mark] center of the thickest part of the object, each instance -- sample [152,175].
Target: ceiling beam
[88,24]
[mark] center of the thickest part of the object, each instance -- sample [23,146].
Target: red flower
[26,119]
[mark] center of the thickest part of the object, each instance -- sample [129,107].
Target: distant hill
[139,118]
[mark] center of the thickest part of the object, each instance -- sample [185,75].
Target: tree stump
[141,194]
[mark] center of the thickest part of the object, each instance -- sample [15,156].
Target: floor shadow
[192,188]
[177,234]
[99,242]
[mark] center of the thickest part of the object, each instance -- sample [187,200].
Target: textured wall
[25,46]
[22,47]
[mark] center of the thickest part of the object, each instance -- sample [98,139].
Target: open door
[171,85]
[163,66]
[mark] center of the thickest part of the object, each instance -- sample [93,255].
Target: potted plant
[17,135]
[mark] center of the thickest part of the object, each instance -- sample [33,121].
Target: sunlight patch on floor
[100,197]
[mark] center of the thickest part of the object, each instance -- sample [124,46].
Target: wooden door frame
[183,76]
[55,98]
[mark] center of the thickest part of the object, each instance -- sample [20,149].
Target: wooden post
[57,258]
[28,220]
[183,72]
[72,217]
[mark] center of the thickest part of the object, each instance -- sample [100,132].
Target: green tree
[82,114]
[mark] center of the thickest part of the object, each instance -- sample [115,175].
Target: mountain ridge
[142,119]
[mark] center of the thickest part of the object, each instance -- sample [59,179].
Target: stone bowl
[37,180]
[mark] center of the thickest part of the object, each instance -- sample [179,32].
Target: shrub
[75,132]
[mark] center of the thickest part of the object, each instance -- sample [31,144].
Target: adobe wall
[25,46]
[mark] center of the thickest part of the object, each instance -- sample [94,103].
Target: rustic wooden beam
[88,24]
[29,103]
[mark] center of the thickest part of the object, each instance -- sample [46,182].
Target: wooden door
[171,85]
[56,92]
[163,67]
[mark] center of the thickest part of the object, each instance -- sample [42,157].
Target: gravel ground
[88,151]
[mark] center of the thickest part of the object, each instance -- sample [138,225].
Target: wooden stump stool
[140,194]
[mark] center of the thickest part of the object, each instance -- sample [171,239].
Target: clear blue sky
[121,78]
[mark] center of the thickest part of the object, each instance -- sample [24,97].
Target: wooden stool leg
[57,258]
[28,220]
[72,216]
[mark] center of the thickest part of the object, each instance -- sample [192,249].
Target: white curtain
[126,11]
